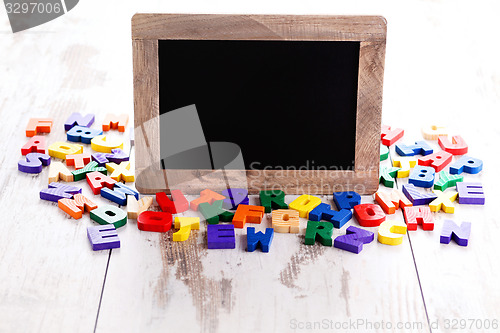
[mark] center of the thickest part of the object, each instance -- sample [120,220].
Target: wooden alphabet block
[274,199]
[456,147]
[116,122]
[220,236]
[304,204]
[234,197]
[466,164]
[444,201]
[103,237]
[82,134]
[417,198]
[90,167]
[78,160]
[390,135]
[38,125]
[76,119]
[460,234]
[35,145]
[470,193]
[178,204]
[392,201]
[405,166]
[324,212]
[206,196]
[419,148]
[185,225]
[119,193]
[108,214]
[446,180]
[319,231]
[346,200]
[259,239]
[384,152]
[58,171]
[33,163]
[248,214]
[135,208]
[437,160]
[354,239]
[369,215]
[62,149]
[422,176]
[57,191]
[285,221]
[433,132]
[391,233]
[103,144]
[121,172]
[76,206]
[418,215]
[97,181]
[154,221]
[387,175]
[213,213]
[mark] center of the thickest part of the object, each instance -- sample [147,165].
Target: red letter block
[97,180]
[177,205]
[418,215]
[390,136]
[35,145]
[456,147]
[154,221]
[437,160]
[369,215]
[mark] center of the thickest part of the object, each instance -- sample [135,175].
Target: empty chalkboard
[264,94]
[285,104]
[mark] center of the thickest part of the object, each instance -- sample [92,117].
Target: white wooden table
[441,67]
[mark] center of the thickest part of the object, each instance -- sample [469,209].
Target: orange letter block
[76,206]
[78,160]
[38,125]
[115,122]
[392,201]
[206,196]
[248,214]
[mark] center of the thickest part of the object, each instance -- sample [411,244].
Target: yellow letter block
[121,171]
[285,221]
[391,233]
[61,149]
[103,144]
[433,132]
[185,224]
[405,166]
[444,201]
[304,204]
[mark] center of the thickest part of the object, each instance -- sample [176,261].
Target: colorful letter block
[433,132]
[82,134]
[272,200]
[135,208]
[234,197]
[58,191]
[470,193]
[220,236]
[206,196]
[104,144]
[178,204]
[107,214]
[443,201]
[418,215]
[185,225]
[121,172]
[324,212]
[346,200]
[456,147]
[437,160]
[61,149]
[319,231]
[213,213]
[387,175]
[459,234]
[119,193]
[446,180]
[304,204]
[58,171]
[259,239]
[91,167]
[34,163]
[103,237]
[405,166]
[384,152]
[97,181]
[390,135]
[76,206]
[354,239]
[392,201]
[35,145]
[417,198]
[391,233]
[419,148]
[247,214]
[38,125]
[76,119]
[116,122]
[369,215]
[466,164]
[422,176]
[154,221]
[78,160]
[285,221]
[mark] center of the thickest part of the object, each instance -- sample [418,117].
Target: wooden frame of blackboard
[370,31]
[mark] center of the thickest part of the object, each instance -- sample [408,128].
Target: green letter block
[108,214]
[214,212]
[319,231]
[272,200]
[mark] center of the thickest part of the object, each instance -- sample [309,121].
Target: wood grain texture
[370,31]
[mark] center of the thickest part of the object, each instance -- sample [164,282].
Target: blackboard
[286,104]
[291,92]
